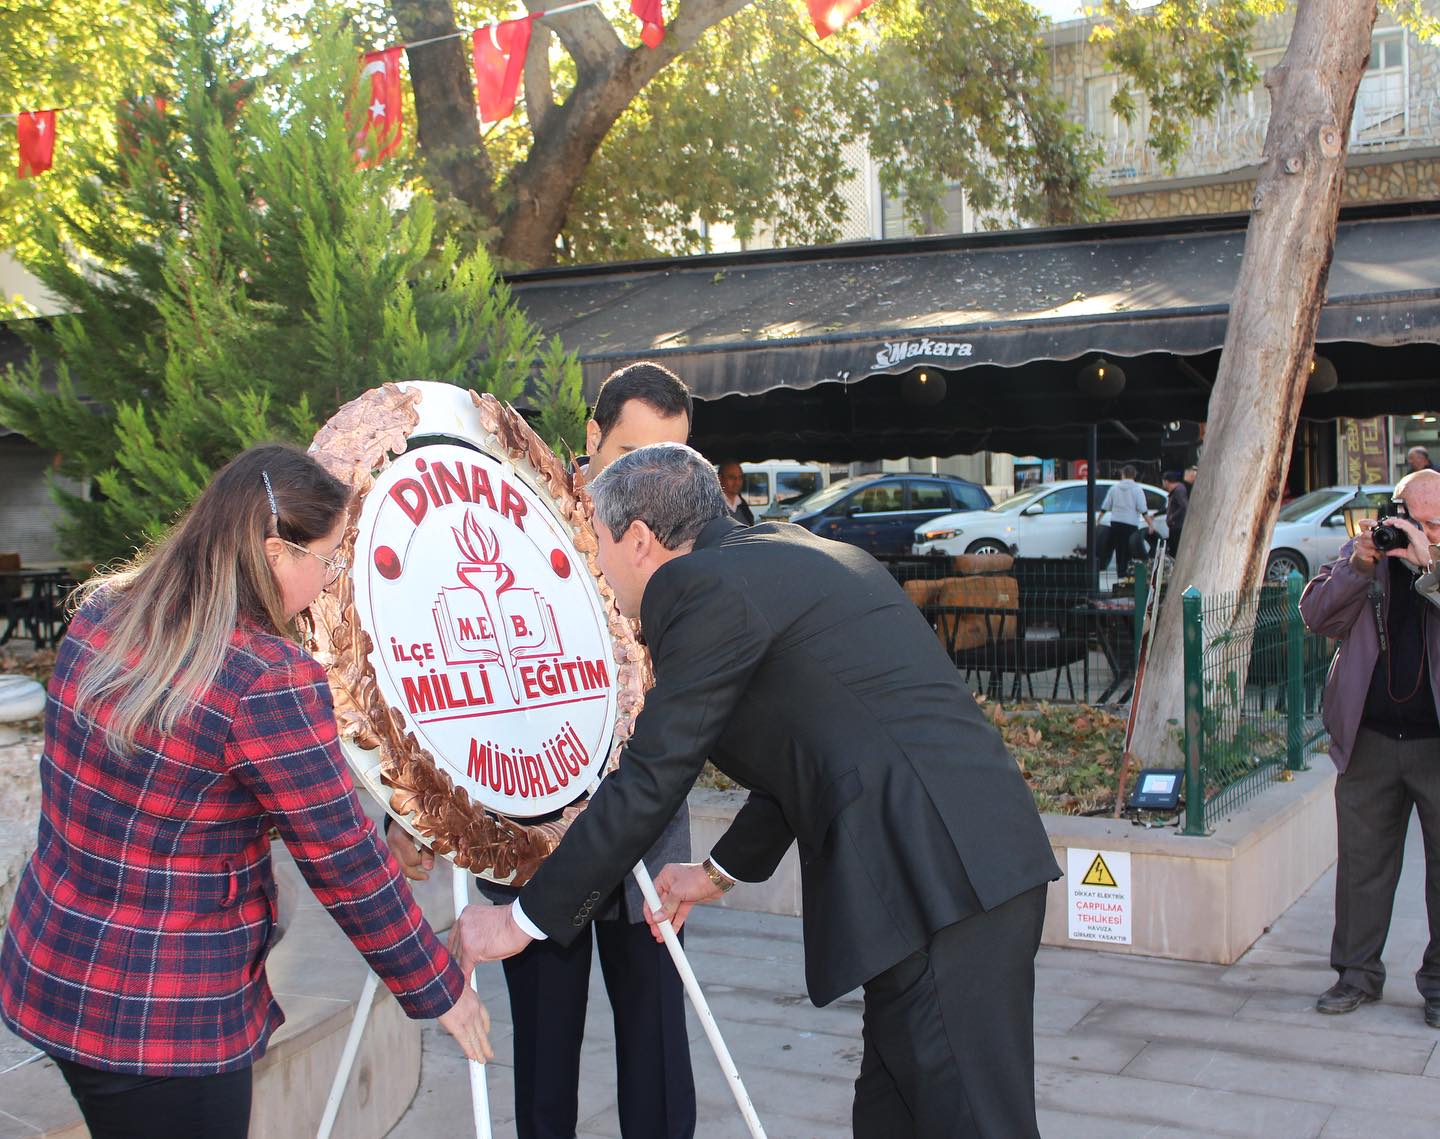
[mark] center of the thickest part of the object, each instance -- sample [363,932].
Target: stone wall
[1379,182]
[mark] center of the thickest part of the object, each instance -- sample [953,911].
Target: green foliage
[83,56]
[962,95]
[246,280]
[1184,56]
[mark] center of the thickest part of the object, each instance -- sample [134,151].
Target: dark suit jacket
[859,741]
[743,513]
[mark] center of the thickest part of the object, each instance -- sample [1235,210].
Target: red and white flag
[499,55]
[35,131]
[383,128]
[832,15]
[651,14]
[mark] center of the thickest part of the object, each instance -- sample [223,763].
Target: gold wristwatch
[723,881]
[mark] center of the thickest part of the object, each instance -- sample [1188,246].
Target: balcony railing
[1237,143]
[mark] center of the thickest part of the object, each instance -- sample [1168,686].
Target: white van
[774,487]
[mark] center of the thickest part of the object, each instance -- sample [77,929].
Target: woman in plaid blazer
[183,722]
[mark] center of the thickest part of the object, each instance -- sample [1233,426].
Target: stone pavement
[1125,1046]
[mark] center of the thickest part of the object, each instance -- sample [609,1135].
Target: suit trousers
[549,987]
[949,1033]
[1385,780]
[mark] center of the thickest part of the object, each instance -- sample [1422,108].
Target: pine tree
[246,280]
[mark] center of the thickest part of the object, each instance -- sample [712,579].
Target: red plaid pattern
[138,937]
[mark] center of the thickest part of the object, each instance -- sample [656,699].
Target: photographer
[1381,705]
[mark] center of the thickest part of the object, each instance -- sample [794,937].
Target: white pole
[479,1093]
[347,1056]
[702,1008]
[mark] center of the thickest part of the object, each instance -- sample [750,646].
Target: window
[1380,107]
[929,496]
[757,488]
[970,497]
[1101,119]
[1066,500]
[895,223]
[885,498]
[1155,502]
[791,486]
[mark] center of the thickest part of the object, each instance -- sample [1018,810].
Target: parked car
[1310,530]
[879,513]
[1042,521]
[775,488]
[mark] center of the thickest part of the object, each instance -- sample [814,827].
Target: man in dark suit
[923,860]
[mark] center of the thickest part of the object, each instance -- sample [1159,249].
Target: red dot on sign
[387,562]
[559,563]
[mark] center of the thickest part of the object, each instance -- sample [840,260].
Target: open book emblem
[489,619]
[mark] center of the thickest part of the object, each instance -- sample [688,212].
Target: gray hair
[670,487]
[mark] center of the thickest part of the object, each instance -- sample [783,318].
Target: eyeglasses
[336,564]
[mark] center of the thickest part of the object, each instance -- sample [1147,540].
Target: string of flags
[497,52]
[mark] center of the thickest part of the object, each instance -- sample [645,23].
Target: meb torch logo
[490,636]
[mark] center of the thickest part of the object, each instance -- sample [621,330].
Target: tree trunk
[448,130]
[1269,342]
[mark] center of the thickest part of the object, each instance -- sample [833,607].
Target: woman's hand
[469,1022]
[416,861]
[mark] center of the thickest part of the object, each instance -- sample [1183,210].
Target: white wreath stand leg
[479,1093]
[702,1008]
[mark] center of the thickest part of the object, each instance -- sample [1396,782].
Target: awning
[1006,319]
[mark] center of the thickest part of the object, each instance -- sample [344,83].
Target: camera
[1387,536]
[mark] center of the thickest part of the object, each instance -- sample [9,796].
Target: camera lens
[1388,537]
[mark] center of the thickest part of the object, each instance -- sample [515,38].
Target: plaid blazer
[138,936]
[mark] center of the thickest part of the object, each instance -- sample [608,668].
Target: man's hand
[680,885]
[416,861]
[1417,553]
[484,932]
[1364,557]
[469,1022]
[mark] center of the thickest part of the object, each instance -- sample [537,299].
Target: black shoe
[1432,1011]
[1341,997]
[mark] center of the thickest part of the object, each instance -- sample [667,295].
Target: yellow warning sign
[1098,874]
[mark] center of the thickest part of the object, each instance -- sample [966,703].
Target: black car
[879,513]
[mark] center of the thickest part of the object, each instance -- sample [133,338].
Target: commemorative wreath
[482,686]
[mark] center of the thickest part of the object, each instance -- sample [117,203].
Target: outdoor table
[33,603]
[1113,619]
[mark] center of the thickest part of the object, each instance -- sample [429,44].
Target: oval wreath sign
[484,679]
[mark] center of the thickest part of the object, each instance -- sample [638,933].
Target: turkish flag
[651,14]
[35,131]
[499,55]
[383,128]
[832,15]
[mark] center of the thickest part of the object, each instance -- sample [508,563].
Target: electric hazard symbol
[1099,874]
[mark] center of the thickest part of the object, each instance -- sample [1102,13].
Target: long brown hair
[177,603]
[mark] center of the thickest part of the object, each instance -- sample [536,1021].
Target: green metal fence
[1253,682]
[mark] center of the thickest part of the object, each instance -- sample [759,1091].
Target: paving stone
[1160,1103]
[1088,1051]
[1352,1123]
[1401,1054]
[1074,1125]
[1385,1094]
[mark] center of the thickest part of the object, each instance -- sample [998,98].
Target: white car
[1043,521]
[1310,530]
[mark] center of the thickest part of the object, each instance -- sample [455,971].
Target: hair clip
[270,494]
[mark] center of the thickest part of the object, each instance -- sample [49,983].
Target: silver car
[1310,530]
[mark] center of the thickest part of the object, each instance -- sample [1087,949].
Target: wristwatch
[723,881]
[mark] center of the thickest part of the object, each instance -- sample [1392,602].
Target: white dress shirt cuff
[525,924]
[722,869]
